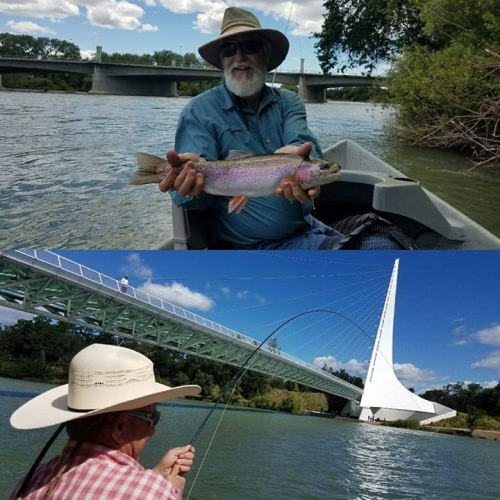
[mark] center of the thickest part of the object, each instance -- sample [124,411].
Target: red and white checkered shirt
[98,472]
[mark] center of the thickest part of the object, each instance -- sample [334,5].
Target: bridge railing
[60,262]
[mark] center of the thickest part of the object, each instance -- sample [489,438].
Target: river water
[258,455]
[65,160]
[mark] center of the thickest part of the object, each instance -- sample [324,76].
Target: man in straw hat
[109,410]
[246,115]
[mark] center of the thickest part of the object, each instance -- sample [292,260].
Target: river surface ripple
[259,455]
[65,161]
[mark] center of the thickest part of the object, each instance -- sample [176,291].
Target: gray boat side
[367,184]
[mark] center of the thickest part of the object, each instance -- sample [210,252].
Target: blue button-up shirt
[216,122]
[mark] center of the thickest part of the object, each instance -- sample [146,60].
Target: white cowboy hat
[238,22]
[102,378]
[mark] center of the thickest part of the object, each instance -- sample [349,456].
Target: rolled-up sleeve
[194,136]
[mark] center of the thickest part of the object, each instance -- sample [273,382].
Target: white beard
[245,87]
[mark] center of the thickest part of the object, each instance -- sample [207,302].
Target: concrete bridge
[147,80]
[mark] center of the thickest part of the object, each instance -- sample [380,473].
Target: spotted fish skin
[242,175]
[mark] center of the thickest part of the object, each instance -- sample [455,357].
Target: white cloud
[260,299]
[87,54]
[352,367]
[209,21]
[10,316]
[180,295]
[408,374]
[48,9]
[147,28]
[29,27]
[306,17]
[114,14]
[137,268]
[488,336]
[491,362]
[411,376]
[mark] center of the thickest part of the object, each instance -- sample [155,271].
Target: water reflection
[385,463]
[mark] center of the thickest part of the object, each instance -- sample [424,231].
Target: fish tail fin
[237,203]
[147,173]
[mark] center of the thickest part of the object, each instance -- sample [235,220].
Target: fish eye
[324,166]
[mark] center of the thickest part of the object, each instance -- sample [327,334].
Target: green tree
[41,47]
[445,65]
[366,32]
[127,58]
[473,416]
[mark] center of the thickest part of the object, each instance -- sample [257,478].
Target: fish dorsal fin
[235,154]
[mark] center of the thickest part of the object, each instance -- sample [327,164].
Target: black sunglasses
[153,417]
[249,47]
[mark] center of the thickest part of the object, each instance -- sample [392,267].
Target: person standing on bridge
[124,284]
[109,411]
[245,114]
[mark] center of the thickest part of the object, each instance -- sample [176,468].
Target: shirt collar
[230,101]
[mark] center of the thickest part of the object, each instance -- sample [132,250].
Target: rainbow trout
[243,175]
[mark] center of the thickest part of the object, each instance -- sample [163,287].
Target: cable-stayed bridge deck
[44,283]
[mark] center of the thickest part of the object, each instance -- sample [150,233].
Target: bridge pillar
[310,93]
[103,83]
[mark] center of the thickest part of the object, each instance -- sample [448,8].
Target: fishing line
[286,29]
[242,370]
[48,444]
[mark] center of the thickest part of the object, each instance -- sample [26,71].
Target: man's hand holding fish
[290,187]
[186,180]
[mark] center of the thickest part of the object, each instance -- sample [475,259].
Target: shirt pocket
[235,138]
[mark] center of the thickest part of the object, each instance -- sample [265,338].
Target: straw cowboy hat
[102,379]
[238,22]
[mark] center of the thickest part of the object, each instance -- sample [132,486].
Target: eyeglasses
[248,47]
[152,417]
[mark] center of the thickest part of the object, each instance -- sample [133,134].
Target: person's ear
[120,429]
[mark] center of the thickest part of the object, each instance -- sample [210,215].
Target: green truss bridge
[46,284]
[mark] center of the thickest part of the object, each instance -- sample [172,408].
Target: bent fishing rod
[242,370]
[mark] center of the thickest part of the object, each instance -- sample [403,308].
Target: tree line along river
[66,160]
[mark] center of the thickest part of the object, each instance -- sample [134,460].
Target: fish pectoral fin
[237,203]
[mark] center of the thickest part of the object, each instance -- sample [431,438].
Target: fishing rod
[239,375]
[244,367]
[275,72]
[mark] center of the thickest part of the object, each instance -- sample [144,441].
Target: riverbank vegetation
[41,350]
[443,61]
[473,424]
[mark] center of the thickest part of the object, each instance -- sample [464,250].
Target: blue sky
[143,26]
[447,326]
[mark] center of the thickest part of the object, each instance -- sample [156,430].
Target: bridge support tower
[104,83]
[309,93]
